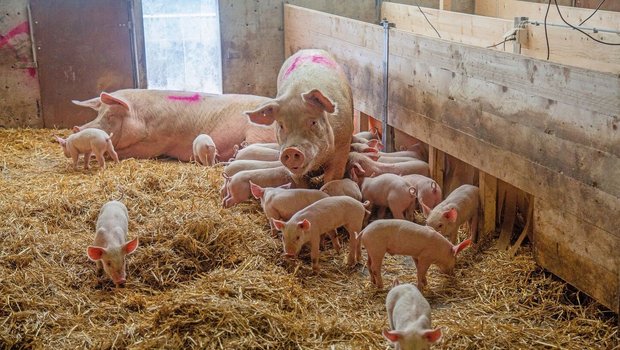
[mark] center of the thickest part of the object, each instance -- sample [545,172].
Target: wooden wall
[252,33]
[548,129]
[19,86]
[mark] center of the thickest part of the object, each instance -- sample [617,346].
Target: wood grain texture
[582,254]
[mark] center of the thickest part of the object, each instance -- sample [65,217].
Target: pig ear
[76,129]
[317,99]
[286,186]
[265,114]
[60,140]
[130,246]
[304,225]
[395,283]
[278,224]
[94,103]
[450,215]
[257,191]
[461,246]
[95,253]
[392,336]
[374,143]
[434,186]
[432,336]
[111,100]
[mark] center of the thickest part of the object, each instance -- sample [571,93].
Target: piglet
[388,190]
[271,145]
[85,142]
[365,136]
[401,237]
[409,316]
[282,202]
[240,165]
[204,150]
[459,207]
[343,187]
[366,164]
[320,217]
[427,190]
[237,187]
[110,246]
[254,152]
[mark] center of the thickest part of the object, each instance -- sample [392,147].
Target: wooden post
[445,5]
[488,205]
[436,161]
[363,125]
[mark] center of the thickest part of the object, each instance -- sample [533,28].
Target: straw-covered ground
[206,277]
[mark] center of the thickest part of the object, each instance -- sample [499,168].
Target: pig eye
[281,126]
[440,226]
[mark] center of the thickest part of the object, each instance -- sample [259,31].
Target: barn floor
[207,277]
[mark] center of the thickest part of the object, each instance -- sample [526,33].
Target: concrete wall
[252,33]
[19,86]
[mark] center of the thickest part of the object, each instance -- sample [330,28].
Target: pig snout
[293,159]
[288,255]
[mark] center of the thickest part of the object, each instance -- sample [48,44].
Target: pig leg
[333,236]
[87,160]
[397,211]
[372,277]
[336,169]
[112,152]
[473,226]
[315,242]
[202,158]
[75,156]
[375,269]
[381,212]
[100,159]
[422,267]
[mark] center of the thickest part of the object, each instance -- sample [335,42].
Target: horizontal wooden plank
[536,11]
[508,166]
[581,88]
[454,26]
[585,256]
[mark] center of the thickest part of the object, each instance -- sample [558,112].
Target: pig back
[113,214]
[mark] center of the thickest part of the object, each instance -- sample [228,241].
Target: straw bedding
[206,277]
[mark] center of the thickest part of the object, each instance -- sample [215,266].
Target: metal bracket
[388,133]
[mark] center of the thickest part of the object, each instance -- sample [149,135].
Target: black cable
[590,16]
[429,22]
[546,35]
[572,26]
[501,42]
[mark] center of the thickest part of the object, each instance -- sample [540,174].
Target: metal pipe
[594,30]
[387,138]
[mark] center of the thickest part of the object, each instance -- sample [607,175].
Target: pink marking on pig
[193,98]
[318,59]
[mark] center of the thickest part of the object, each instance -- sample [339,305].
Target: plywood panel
[578,252]
[536,11]
[83,48]
[567,46]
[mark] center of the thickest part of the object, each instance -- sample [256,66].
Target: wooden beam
[583,255]
[436,163]
[364,121]
[508,218]
[488,205]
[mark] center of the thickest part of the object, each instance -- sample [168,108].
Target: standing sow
[109,249]
[314,114]
[409,315]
